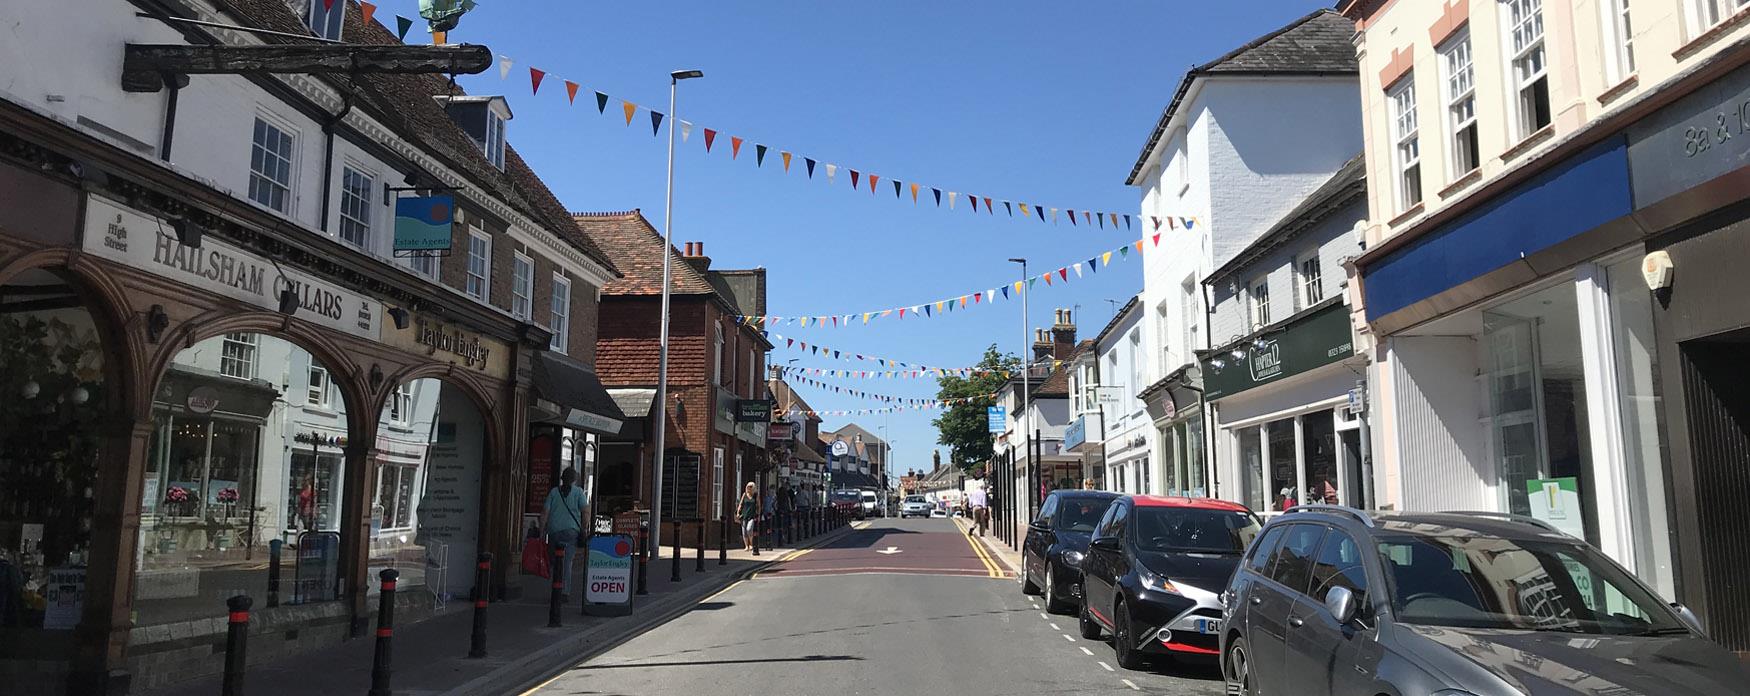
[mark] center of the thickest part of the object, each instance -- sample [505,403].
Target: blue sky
[1030,101]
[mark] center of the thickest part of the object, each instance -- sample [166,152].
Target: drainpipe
[328,125]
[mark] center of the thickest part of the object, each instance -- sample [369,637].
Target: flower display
[177,494]
[227,495]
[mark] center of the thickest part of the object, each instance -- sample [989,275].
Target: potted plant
[227,497]
[177,498]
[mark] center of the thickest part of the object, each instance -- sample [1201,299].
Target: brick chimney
[1043,350]
[1063,335]
[695,256]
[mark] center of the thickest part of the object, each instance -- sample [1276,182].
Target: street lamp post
[661,401]
[1026,380]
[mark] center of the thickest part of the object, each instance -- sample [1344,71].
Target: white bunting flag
[503,67]
[831,171]
[951,196]
[1078,268]
[686,129]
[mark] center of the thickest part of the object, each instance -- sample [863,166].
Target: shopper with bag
[565,505]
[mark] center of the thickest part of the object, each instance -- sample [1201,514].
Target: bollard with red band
[482,579]
[380,663]
[557,601]
[236,645]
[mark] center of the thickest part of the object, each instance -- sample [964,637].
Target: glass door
[1514,405]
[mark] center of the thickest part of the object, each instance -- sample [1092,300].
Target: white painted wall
[1331,240]
[1436,425]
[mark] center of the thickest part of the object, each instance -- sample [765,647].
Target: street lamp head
[1017,261]
[686,74]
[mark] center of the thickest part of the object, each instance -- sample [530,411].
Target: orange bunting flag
[630,109]
[535,77]
[786,157]
[1138,246]
[963,302]
[1114,220]
[571,91]
[914,194]
[367,9]
[734,147]
[1047,278]
[872,179]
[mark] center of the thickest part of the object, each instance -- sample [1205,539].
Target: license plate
[1207,626]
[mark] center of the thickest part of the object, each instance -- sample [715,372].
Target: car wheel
[1027,586]
[1236,669]
[1124,640]
[1090,629]
[1053,603]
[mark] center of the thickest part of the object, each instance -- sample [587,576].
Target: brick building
[714,364]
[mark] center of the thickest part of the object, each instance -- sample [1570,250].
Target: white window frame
[477,283]
[326,23]
[717,482]
[318,387]
[1704,15]
[1523,39]
[1619,38]
[1458,75]
[400,405]
[494,145]
[1135,340]
[263,181]
[359,200]
[522,286]
[1165,320]
[1310,277]
[717,355]
[238,353]
[561,310]
[1406,143]
[1258,302]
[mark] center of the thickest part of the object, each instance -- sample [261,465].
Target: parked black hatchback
[1154,573]
[1332,601]
[1057,540]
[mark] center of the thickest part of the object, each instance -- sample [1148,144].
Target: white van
[872,505]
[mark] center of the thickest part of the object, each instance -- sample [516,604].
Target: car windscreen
[846,496]
[1193,530]
[1540,585]
[915,499]
[1081,514]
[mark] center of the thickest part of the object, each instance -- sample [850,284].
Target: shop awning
[568,393]
[635,403]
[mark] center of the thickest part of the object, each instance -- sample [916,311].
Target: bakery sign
[122,234]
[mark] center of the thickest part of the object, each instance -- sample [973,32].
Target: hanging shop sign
[202,400]
[116,232]
[442,340]
[1692,141]
[1318,339]
[753,410]
[423,223]
[997,418]
[780,432]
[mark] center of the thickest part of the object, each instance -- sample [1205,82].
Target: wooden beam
[145,65]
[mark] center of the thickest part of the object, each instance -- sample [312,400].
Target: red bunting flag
[872,179]
[535,77]
[734,147]
[987,207]
[854,176]
[367,10]
[1063,273]
[977,296]
[710,137]
[1157,239]
[902,312]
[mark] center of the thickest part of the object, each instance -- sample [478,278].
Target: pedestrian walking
[980,505]
[565,503]
[747,514]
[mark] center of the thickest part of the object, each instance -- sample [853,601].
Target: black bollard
[273,571]
[674,564]
[723,540]
[643,562]
[482,578]
[236,645]
[699,562]
[754,536]
[380,663]
[556,601]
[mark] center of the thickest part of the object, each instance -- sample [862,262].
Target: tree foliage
[963,427]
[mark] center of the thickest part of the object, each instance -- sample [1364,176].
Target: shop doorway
[1715,371]
[1350,444]
[425,514]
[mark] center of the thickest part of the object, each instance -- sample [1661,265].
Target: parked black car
[1332,601]
[1155,570]
[1057,540]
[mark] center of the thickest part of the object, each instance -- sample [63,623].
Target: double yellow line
[990,566]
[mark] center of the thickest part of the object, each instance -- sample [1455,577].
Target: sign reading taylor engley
[147,243]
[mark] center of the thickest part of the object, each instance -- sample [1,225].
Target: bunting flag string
[847,391]
[924,404]
[1030,211]
[927,310]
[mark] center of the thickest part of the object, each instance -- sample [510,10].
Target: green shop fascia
[1307,342]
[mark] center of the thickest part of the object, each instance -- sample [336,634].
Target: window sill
[1414,212]
[1627,85]
[1530,142]
[1713,34]
[1461,183]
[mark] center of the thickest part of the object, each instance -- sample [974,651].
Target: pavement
[894,606]
[430,657]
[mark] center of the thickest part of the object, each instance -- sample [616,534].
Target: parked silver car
[1330,601]
[914,506]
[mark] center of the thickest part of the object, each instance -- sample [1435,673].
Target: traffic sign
[998,417]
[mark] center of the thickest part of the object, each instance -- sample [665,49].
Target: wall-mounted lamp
[288,301]
[401,317]
[1238,354]
[188,232]
[157,320]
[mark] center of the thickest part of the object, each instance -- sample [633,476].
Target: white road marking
[1045,616]
[1066,637]
[890,551]
[1055,628]
[1131,684]
[1088,652]
[1107,666]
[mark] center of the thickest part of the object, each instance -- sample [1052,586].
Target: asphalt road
[929,616]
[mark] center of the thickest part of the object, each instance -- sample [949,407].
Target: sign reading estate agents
[609,579]
[119,233]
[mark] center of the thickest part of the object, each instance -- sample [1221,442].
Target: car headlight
[1158,583]
[1072,559]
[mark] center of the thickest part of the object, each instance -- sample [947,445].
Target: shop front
[1178,465]
[1281,404]
[571,416]
[254,426]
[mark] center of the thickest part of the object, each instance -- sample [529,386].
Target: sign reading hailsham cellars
[116,232]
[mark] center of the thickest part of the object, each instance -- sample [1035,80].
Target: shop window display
[426,467]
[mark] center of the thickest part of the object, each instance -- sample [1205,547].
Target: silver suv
[1331,601]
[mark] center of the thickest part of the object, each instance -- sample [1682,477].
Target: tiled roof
[1347,187]
[1056,384]
[636,249]
[1321,43]
[404,103]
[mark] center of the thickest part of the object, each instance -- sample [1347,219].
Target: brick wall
[585,313]
[627,345]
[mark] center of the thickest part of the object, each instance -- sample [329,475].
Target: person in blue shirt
[565,503]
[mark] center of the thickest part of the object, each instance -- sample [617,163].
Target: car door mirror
[1107,543]
[1341,603]
[1688,616]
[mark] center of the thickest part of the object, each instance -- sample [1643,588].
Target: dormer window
[484,119]
[322,16]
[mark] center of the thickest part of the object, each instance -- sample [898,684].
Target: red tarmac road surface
[920,547]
